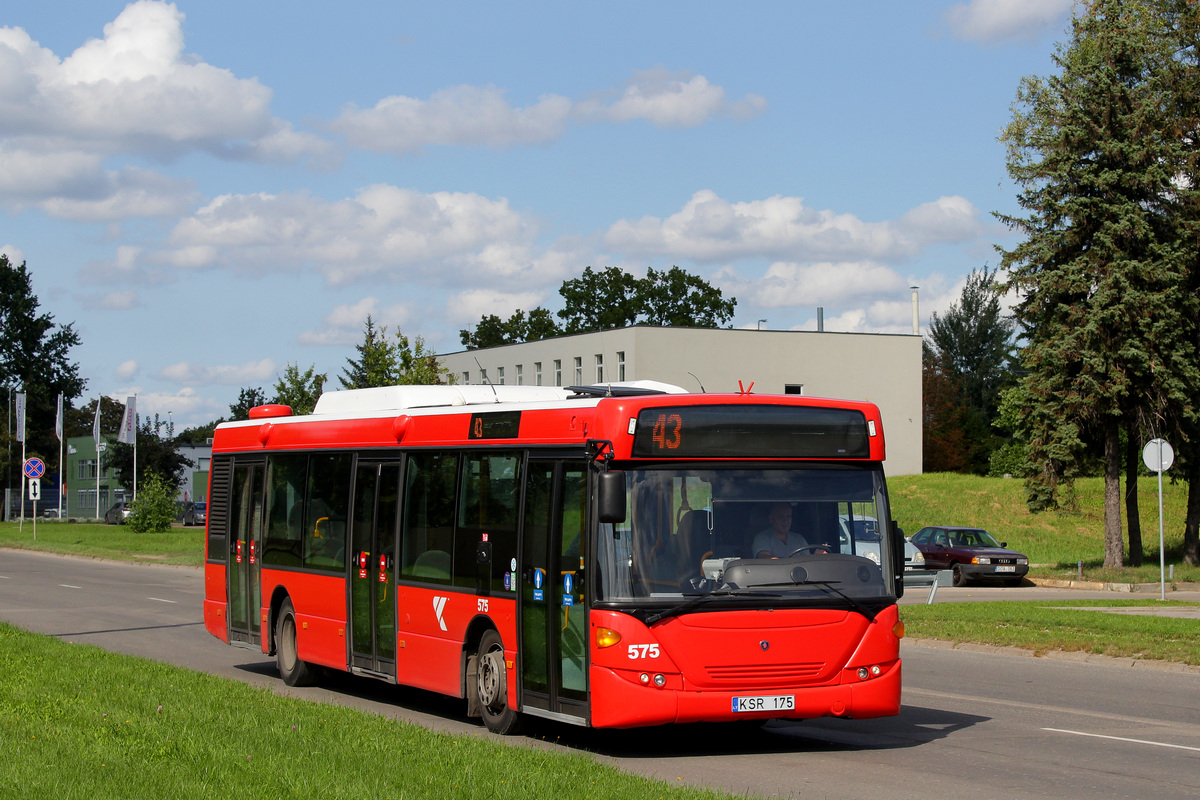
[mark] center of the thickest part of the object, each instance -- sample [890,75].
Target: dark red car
[971,553]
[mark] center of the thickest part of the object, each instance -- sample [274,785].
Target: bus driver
[779,540]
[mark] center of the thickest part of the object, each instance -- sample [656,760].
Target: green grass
[118,542]
[1059,539]
[99,725]
[1056,625]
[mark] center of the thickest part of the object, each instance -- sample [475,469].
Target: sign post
[33,469]
[35,494]
[1158,456]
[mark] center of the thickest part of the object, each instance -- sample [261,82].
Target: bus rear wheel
[491,684]
[293,671]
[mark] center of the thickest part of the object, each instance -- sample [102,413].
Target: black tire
[491,684]
[293,671]
[960,577]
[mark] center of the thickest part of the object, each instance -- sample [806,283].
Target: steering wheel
[813,547]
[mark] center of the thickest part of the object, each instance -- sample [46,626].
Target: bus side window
[328,498]
[427,538]
[487,508]
[286,476]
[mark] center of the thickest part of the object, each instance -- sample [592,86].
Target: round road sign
[1158,456]
[34,468]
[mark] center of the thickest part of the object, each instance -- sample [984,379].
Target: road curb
[1075,656]
[1097,586]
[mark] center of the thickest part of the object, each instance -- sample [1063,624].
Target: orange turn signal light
[607,637]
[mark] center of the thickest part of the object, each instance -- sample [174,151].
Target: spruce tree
[1100,268]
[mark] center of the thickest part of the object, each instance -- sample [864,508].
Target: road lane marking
[160,600]
[69,586]
[1124,739]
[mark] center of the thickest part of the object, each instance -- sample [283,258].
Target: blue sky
[211,190]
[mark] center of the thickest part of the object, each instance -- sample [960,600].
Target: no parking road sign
[34,468]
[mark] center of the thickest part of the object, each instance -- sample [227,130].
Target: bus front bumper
[616,702]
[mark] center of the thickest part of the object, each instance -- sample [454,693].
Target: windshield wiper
[829,588]
[698,600]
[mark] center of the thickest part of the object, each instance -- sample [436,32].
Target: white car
[866,541]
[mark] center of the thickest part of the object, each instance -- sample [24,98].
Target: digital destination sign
[741,431]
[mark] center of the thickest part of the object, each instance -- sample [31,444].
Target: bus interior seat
[431,564]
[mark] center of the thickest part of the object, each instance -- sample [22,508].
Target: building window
[558,372]
[620,365]
[204,464]
[483,375]
[87,469]
[578,370]
[793,388]
[520,374]
[599,368]
[467,378]
[537,373]
[500,375]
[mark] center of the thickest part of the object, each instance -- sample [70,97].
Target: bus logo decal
[439,603]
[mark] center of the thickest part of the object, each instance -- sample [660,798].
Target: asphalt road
[986,724]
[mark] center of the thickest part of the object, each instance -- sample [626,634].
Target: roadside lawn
[101,725]
[179,545]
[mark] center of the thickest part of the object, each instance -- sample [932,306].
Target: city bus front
[744,590]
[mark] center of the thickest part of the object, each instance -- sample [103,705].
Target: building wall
[882,368]
[80,494]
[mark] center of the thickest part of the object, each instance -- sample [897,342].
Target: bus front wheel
[491,682]
[293,671]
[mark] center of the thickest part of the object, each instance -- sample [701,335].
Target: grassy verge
[1056,540]
[1061,625]
[176,546]
[100,725]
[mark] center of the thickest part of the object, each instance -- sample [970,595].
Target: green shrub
[154,509]
[1010,460]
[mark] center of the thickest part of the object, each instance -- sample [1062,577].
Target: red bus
[580,554]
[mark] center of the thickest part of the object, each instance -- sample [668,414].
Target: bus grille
[772,673]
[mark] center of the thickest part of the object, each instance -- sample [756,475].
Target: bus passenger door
[372,592]
[553,647]
[245,553]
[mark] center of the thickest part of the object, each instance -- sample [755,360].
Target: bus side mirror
[610,496]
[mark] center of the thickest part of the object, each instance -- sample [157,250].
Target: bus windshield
[790,532]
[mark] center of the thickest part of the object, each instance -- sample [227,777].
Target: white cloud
[126,370]
[187,373]
[178,407]
[119,301]
[670,100]
[709,228]
[133,92]
[461,115]
[786,284]
[344,325]
[995,21]
[465,308]
[480,116]
[384,232]
[16,256]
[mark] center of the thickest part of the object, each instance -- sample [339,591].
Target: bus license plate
[775,702]
[1006,569]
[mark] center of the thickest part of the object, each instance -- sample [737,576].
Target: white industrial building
[882,368]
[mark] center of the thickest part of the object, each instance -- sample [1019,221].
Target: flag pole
[58,429]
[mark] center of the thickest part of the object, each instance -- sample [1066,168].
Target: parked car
[866,541]
[970,554]
[195,513]
[117,514]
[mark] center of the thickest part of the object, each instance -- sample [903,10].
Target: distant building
[882,368]
[83,462]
